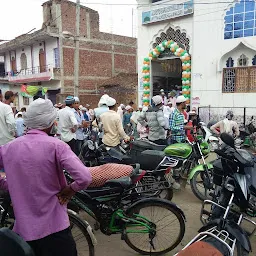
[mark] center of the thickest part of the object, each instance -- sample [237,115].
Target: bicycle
[119,209]
[150,226]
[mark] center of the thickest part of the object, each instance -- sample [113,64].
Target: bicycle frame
[91,207]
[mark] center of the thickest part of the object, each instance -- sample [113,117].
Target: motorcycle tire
[240,251]
[195,190]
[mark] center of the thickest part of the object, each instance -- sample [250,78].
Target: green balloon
[146,76]
[146,85]
[146,59]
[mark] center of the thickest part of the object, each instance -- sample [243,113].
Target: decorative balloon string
[186,67]
[30,90]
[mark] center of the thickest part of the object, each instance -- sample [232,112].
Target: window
[242,61]
[254,61]
[239,80]
[230,63]
[25,101]
[56,57]
[154,1]
[240,20]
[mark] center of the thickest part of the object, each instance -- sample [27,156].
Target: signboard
[168,12]
[195,101]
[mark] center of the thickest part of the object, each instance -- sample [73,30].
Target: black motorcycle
[148,155]
[233,198]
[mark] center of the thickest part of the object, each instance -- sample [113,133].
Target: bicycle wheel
[84,244]
[170,227]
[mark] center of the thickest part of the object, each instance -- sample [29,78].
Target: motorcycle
[157,165]
[247,135]
[208,136]
[182,158]
[235,192]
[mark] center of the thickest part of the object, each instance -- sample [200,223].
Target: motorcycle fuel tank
[182,150]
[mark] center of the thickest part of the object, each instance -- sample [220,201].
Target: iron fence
[242,115]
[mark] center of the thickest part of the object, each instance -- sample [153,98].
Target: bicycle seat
[12,244]
[123,182]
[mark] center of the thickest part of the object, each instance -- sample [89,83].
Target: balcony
[35,74]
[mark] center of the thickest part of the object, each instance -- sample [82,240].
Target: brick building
[102,55]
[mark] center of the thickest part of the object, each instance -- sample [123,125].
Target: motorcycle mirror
[228,139]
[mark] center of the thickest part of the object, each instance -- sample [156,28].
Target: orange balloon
[188,101]
[146,88]
[184,67]
[187,58]
[150,55]
[178,54]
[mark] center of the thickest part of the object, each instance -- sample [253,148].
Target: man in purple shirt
[34,166]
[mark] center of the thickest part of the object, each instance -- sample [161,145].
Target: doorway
[167,75]
[42,63]
[13,65]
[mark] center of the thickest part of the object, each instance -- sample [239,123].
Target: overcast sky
[20,16]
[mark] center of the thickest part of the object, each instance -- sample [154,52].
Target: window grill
[239,80]
[175,35]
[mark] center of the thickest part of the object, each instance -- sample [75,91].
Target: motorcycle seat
[123,182]
[12,244]
[154,153]
[101,174]
[145,144]
[204,248]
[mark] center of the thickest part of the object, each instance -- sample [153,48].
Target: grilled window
[239,80]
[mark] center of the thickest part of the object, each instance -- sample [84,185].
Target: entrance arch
[186,67]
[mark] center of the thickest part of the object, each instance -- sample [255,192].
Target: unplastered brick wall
[102,55]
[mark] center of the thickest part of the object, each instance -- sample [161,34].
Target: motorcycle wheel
[240,251]
[198,187]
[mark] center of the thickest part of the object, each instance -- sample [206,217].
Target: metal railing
[29,71]
[242,115]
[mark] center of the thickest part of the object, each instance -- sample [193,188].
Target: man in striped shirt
[177,126]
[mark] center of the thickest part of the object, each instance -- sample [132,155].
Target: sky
[28,15]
